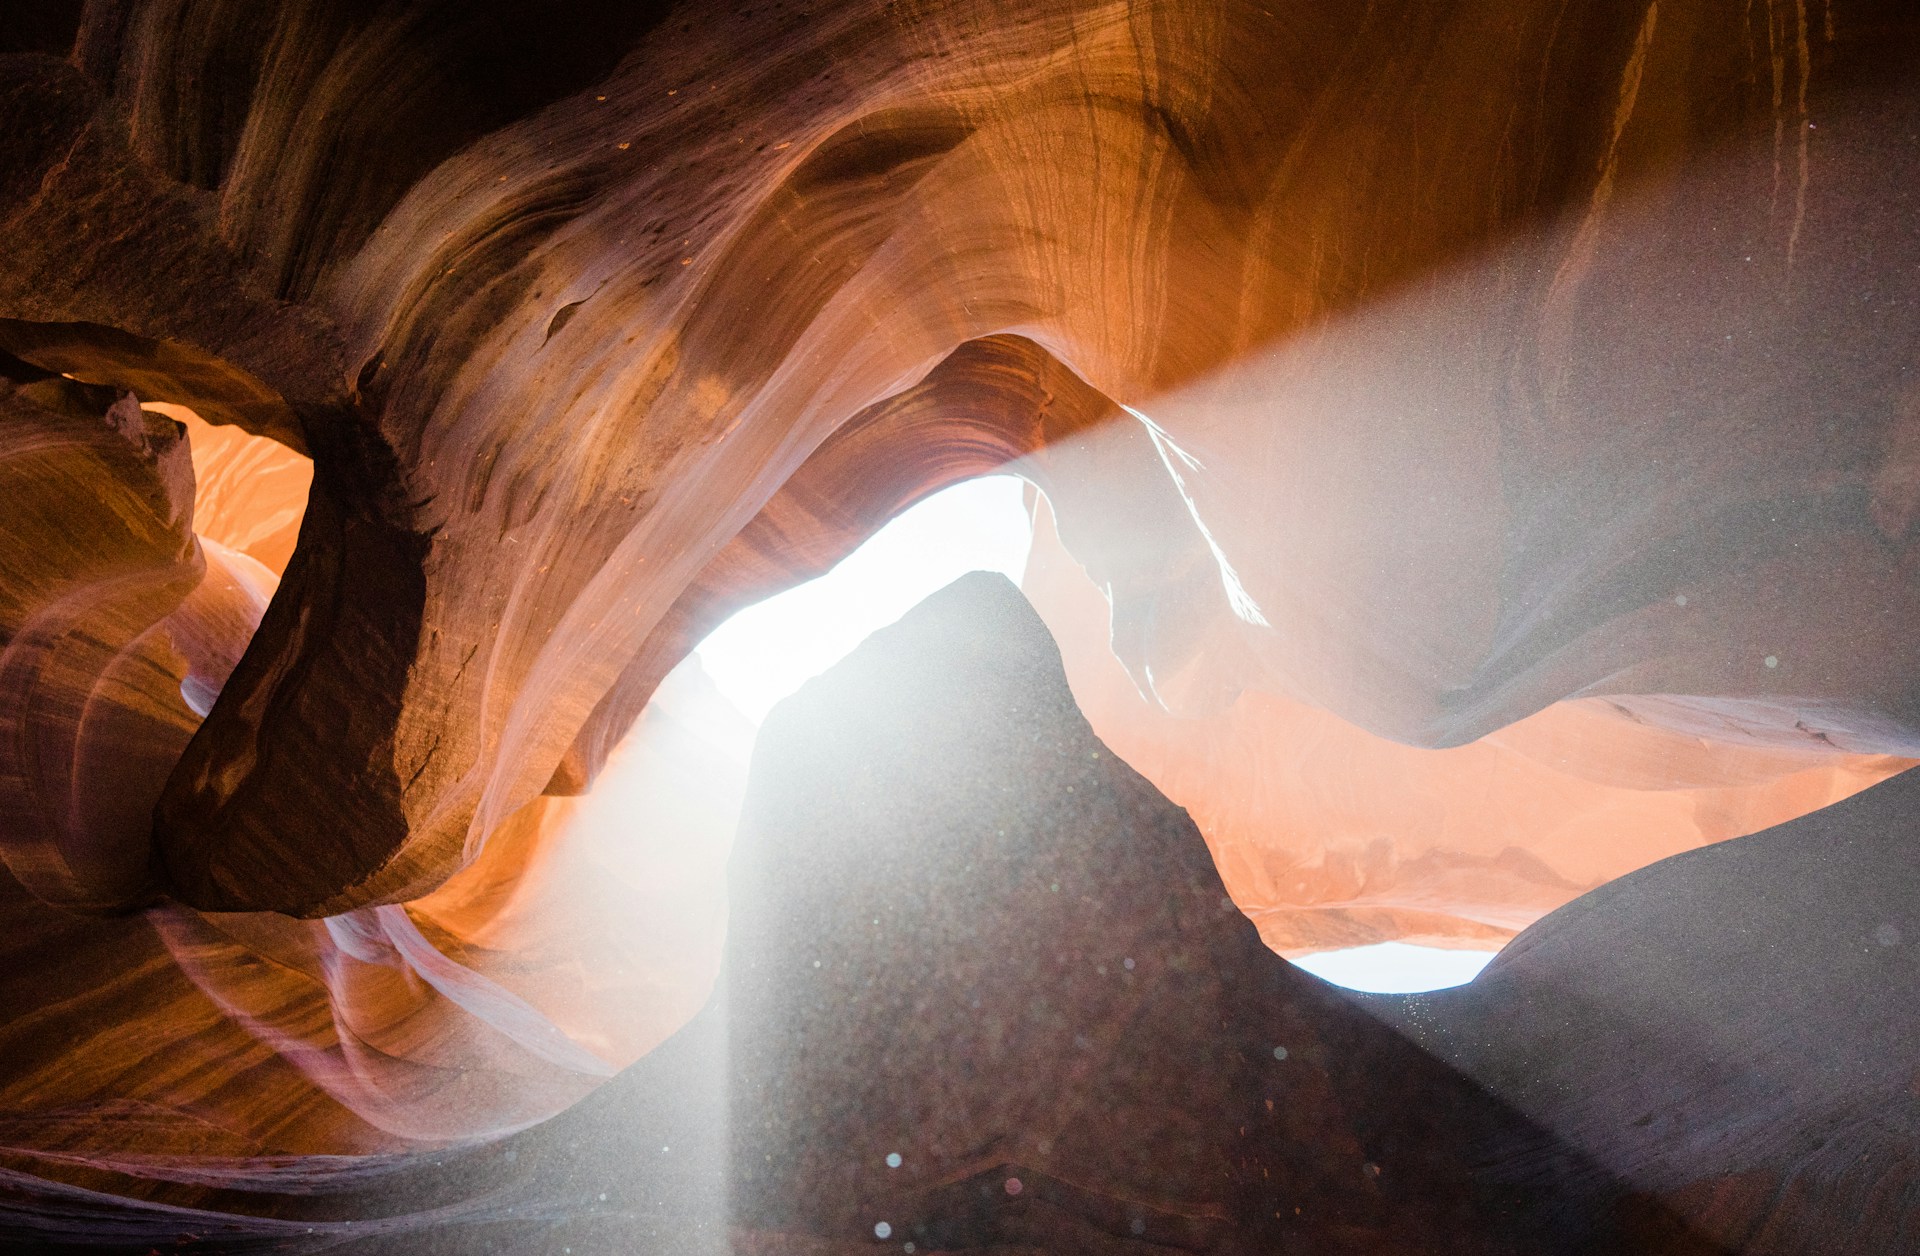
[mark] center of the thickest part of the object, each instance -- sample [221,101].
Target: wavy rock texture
[1371,337]
[1329,836]
[103,601]
[989,402]
[250,492]
[269,1067]
[1093,1068]
[490,1004]
[1469,392]
[1730,1029]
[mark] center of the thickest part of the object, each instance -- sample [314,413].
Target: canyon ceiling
[1474,455]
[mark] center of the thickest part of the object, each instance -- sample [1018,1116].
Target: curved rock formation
[256,1063]
[1730,1030]
[250,492]
[1413,312]
[919,1038]
[103,574]
[989,402]
[1330,837]
[1435,393]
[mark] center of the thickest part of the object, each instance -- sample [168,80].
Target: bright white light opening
[1396,967]
[772,648]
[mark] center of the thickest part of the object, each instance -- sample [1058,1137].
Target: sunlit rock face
[982,944]
[1435,410]
[106,590]
[1731,1030]
[1478,442]
[981,1062]
[1329,836]
[250,492]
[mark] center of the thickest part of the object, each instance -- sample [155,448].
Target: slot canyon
[1465,462]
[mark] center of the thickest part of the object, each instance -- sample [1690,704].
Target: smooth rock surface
[1524,386]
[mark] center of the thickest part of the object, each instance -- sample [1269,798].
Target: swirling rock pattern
[981,1062]
[101,566]
[1329,836]
[550,366]
[1528,382]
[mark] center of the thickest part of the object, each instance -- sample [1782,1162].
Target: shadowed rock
[983,991]
[1422,368]
[1713,1055]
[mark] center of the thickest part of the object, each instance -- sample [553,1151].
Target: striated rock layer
[1329,836]
[1120,1065]
[1438,365]
[1481,439]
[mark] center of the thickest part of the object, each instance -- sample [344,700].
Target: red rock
[1491,391]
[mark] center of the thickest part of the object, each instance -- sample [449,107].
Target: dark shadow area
[41,26]
[1733,1027]
[155,370]
[429,78]
[984,992]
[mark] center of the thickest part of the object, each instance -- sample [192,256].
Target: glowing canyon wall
[1475,451]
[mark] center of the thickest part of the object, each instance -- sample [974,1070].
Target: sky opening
[768,650]
[771,648]
[1396,967]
